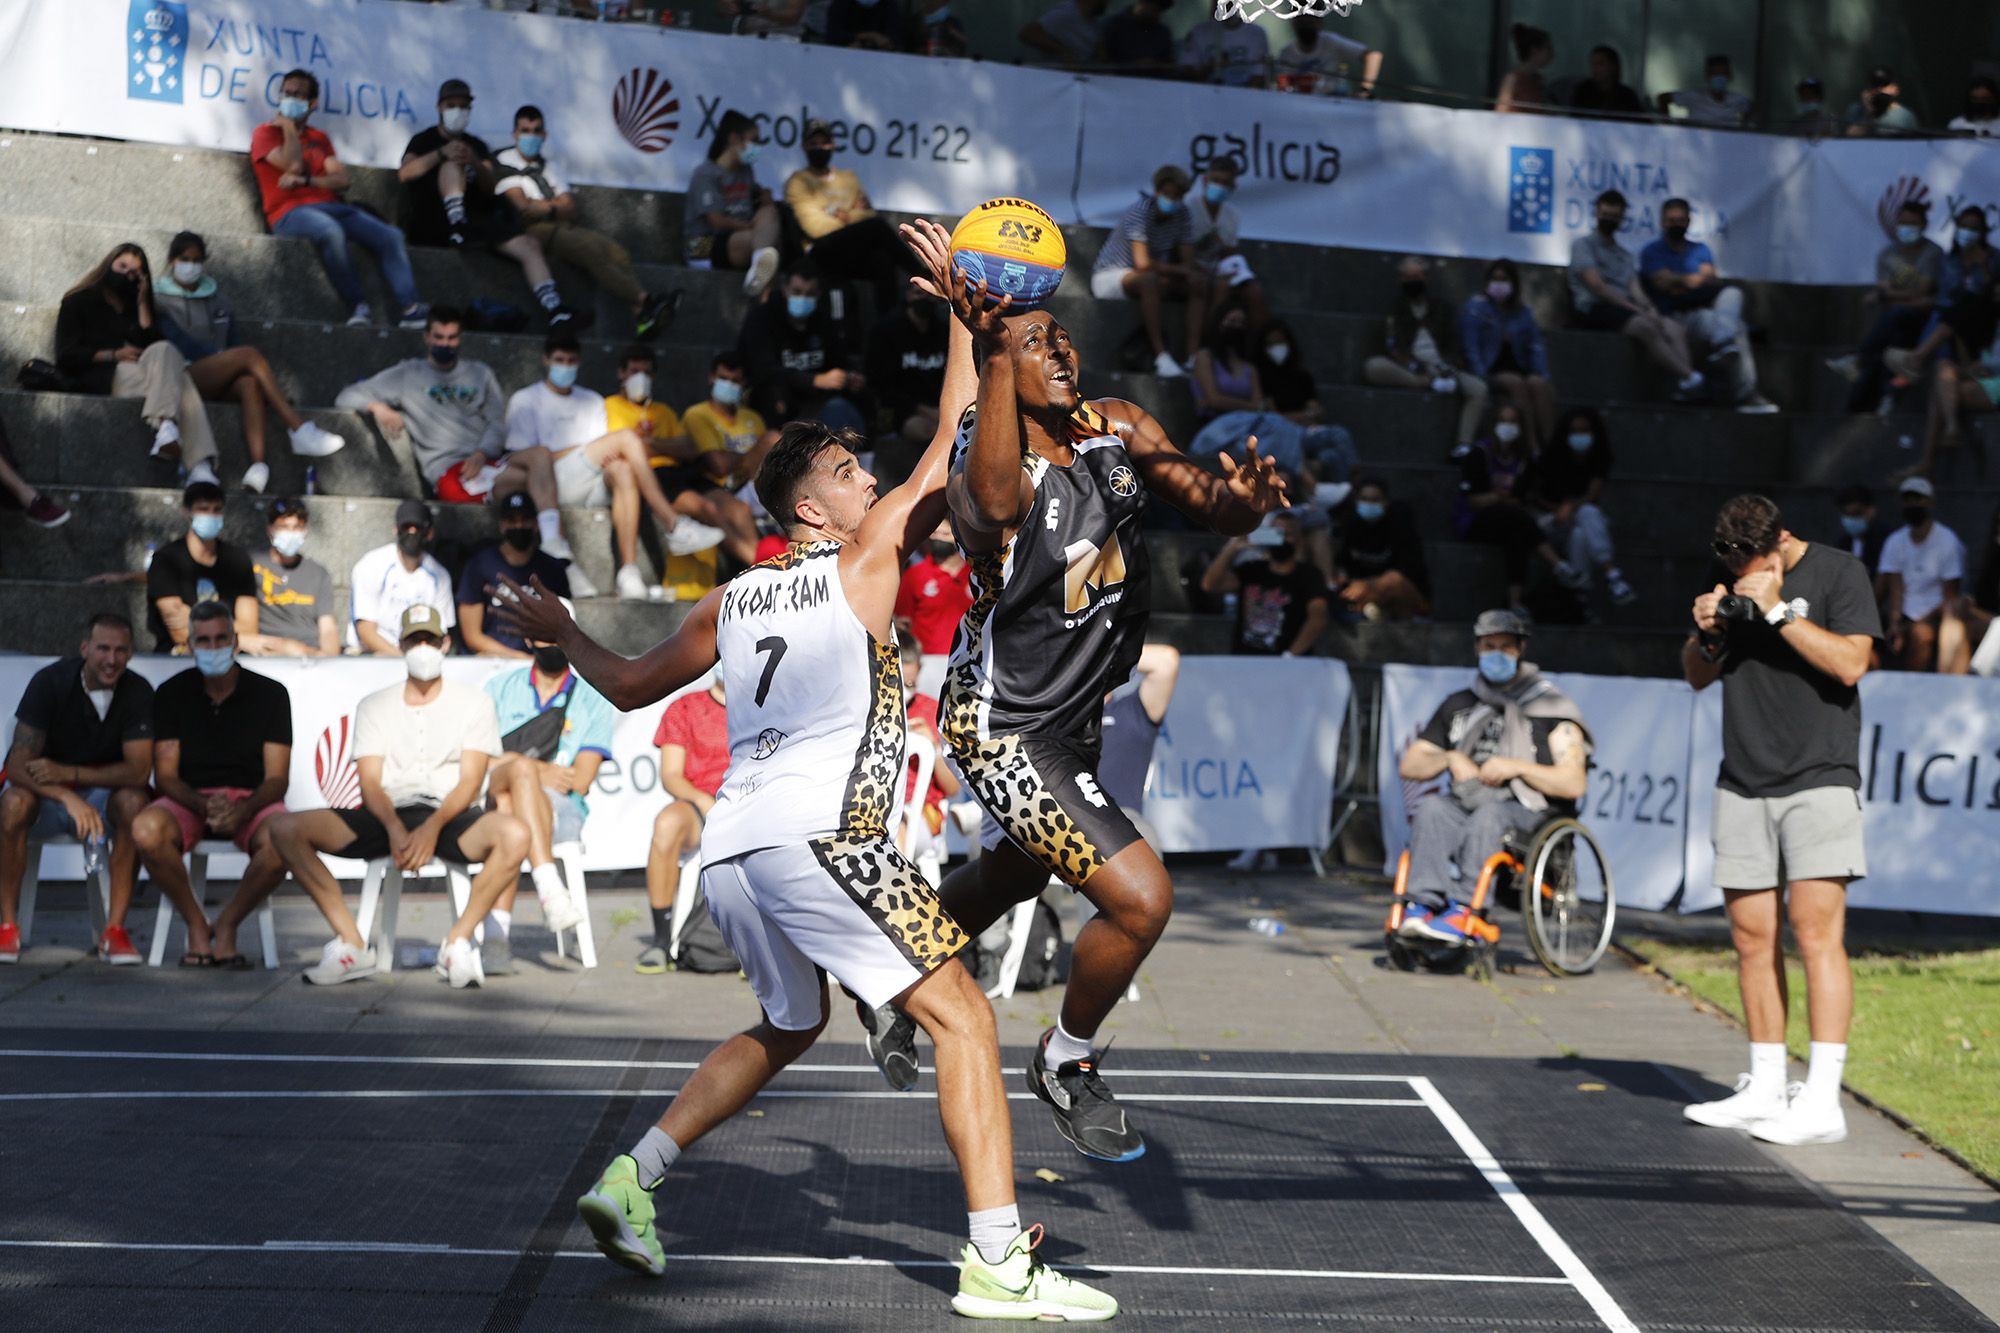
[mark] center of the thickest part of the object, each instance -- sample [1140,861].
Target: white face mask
[1506,432]
[638,386]
[1278,352]
[288,542]
[424,662]
[187,272]
[455,118]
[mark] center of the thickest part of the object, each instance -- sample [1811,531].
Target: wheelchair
[1567,913]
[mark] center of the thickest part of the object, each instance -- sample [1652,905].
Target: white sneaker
[1167,368]
[1692,383]
[340,961]
[763,267]
[559,910]
[167,441]
[558,546]
[204,471]
[361,318]
[1903,361]
[1746,1107]
[1621,591]
[1801,1123]
[1848,367]
[310,441]
[690,536]
[1757,405]
[256,477]
[631,583]
[1445,384]
[458,963]
[1571,577]
[580,584]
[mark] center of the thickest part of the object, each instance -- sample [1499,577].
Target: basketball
[1012,246]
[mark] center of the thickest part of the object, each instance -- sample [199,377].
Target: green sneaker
[1022,1287]
[653,961]
[620,1214]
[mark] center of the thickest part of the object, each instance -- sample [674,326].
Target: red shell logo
[646,110]
[333,765]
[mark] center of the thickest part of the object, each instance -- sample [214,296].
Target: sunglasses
[1729,550]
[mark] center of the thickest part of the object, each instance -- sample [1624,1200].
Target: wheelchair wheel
[1567,901]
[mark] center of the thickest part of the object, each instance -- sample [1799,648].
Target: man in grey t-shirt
[1604,288]
[295,616]
[451,413]
[729,220]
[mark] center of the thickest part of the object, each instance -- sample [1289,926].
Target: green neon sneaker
[620,1214]
[1022,1287]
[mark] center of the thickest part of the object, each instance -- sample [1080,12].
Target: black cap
[815,126]
[1880,77]
[1500,622]
[285,506]
[454,88]
[413,511]
[520,502]
[1808,82]
[199,492]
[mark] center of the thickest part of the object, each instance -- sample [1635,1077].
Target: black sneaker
[892,1042]
[655,315]
[1086,1115]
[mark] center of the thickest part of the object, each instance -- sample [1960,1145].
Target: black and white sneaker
[1086,1114]
[892,1043]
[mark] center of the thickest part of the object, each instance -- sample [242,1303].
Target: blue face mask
[1498,667]
[530,145]
[294,108]
[214,661]
[751,152]
[1718,83]
[1168,207]
[1856,525]
[727,392]
[801,307]
[1216,194]
[1970,236]
[1581,441]
[1367,510]
[562,376]
[206,526]
[1907,234]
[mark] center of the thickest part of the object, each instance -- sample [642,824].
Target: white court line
[529,1062]
[805,1094]
[852,1261]
[1524,1210]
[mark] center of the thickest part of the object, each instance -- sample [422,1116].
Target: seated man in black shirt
[201,567]
[222,760]
[906,365]
[83,746]
[1379,569]
[798,358]
[517,555]
[1281,600]
[1517,752]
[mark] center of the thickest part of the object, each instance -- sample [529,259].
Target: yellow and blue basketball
[1014,247]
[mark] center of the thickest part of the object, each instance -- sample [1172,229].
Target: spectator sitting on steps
[200,567]
[1503,347]
[1954,392]
[389,580]
[1419,343]
[1963,324]
[1921,573]
[108,341]
[15,491]
[514,555]
[1568,481]
[1213,229]
[799,360]
[1907,274]
[693,740]
[906,355]
[1379,568]
[1148,258]
[294,592]
[693,490]
[1880,109]
[1281,603]
[196,319]
[1860,535]
[1680,274]
[1605,292]
[845,236]
[1492,508]
[448,411]
[729,220]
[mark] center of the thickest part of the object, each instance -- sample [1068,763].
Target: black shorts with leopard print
[1042,794]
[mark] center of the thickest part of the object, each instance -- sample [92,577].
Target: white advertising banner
[635,106]
[1246,754]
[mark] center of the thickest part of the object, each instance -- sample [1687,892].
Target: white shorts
[858,910]
[580,482]
[1108,284]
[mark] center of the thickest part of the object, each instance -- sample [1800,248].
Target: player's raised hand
[532,612]
[931,244]
[1257,482]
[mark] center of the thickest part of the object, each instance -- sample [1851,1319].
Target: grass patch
[1926,1036]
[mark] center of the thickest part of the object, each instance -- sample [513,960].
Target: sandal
[197,960]
[235,962]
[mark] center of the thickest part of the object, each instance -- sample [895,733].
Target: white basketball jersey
[815,711]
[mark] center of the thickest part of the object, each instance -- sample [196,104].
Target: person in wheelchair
[1518,753]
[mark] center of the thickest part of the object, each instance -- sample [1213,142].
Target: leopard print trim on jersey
[1018,798]
[959,708]
[797,554]
[871,790]
[894,894]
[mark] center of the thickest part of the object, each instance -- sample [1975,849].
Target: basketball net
[1282,9]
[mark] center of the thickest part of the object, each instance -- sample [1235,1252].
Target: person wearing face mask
[1148,258]
[1787,827]
[730,434]
[302,181]
[1963,324]
[447,410]
[1880,110]
[1811,119]
[1213,228]
[200,567]
[1907,274]
[1918,580]
[1232,52]
[517,556]
[1566,484]
[555,730]
[1503,347]
[934,595]
[1713,104]
[1680,276]
[222,760]
[1379,572]
[1491,507]
[1515,752]
[1860,535]
[1281,601]
[728,220]
[547,210]
[389,580]
[1981,117]
[845,237]
[800,362]
[678,465]
[1419,343]
[1605,291]
[294,592]
[196,319]
[108,341]
[422,746]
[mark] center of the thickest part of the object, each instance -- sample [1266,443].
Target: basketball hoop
[1283,9]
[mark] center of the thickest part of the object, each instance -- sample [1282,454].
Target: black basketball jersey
[1058,613]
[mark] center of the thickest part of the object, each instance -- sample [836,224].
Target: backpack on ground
[698,946]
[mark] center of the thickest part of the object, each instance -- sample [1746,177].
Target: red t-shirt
[314,146]
[699,725]
[924,709]
[934,600]
[770,546]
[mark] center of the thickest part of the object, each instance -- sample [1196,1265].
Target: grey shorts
[1762,842]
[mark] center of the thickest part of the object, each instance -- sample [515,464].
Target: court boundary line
[796,1094]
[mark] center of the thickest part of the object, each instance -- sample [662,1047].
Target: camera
[1733,607]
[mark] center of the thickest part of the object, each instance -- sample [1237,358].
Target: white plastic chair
[167,918]
[684,892]
[913,837]
[569,863]
[382,887]
[31,879]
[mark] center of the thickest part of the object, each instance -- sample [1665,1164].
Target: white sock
[547,880]
[993,1230]
[1823,1072]
[502,921]
[546,294]
[550,523]
[654,1154]
[1063,1048]
[1767,1068]
[454,209]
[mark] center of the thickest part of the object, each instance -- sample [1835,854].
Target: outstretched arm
[1232,503]
[682,658]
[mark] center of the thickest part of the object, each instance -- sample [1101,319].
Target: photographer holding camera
[1790,642]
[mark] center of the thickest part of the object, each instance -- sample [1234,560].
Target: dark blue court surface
[277,1183]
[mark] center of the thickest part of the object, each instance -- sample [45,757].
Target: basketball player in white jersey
[798,867]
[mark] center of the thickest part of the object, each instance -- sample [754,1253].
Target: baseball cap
[413,511]
[815,126]
[1500,622]
[422,618]
[520,502]
[454,88]
[1917,486]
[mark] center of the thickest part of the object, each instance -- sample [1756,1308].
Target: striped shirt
[1162,233]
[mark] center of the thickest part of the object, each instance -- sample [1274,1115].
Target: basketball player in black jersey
[1046,494]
